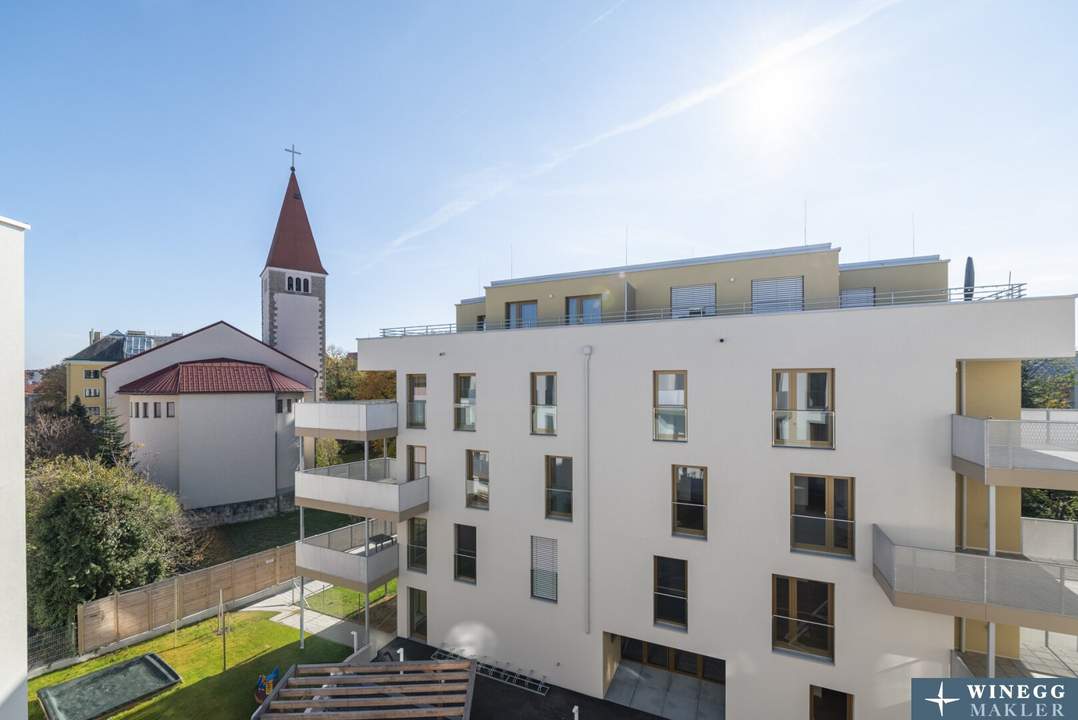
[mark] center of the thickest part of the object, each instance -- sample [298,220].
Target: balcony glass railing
[417,414]
[464,416]
[822,534]
[417,558]
[477,493]
[803,636]
[544,419]
[559,504]
[671,423]
[803,428]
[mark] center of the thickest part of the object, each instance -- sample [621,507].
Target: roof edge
[14,224]
[892,262]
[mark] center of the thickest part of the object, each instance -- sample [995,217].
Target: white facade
[894,380]
[12,475]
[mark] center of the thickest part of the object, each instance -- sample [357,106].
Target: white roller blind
[857,297]
[778,294]
[692,300]
[545,568]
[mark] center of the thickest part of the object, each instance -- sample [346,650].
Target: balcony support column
[987,566]
[366,457]
[302,600]
[367,595]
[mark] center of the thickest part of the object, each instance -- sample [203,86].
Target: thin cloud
[814,38]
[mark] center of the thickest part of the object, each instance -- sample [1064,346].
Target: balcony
[378,488]
[1010,590]
[347,419]
[349,556]
[1022,453]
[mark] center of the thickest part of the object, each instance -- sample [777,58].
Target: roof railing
[887,298]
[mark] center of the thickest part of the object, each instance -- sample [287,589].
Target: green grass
[344,603]
[255,645]
[228,542]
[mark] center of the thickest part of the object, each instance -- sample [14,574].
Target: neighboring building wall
[77,383]
[887,277]
[12,475]
[287,446]
[155,441]
[894,394]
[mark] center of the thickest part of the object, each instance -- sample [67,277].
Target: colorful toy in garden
[264,688]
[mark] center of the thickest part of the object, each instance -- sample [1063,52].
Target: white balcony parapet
[348,419]
[378,488]
[1008,590]
[344,557]
[1024,453]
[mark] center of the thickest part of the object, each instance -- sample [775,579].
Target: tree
[49,436]
[51,393]
[112,448]
[327,451]
[92,530]
[345,382]
[1051,504]
[1048,383]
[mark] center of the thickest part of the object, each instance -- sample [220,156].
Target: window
[135,411]
[802,407]
[671,592]
[157,409]
[477,479]
[778,294]
[417,462]
[306,285]
[669,398]
[583,309]
[280,406]
[170,409]
[417,544]
[93,411]
[821,514]
[857,297]
[464,556]
[559,487]
[545,568]
[825,704]
[803,616]
[91,374]
[92,392]
[521,314]
[290,284]
[689,497]
[692,301]
[417,400]
[481,322]
[464,401]
[417,614]
[674,660]
[544,401]
[145,409]
[288,405]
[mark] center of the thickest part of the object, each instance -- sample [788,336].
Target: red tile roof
[220,375]
[293,245]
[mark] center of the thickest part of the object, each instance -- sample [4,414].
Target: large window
[821,514]
[559,487]
[417,401]
[545,568]
[521,314]
[674,660]
[417,544]
[417,462]
[465,560]
[583,309]
[544,403]
[803,616]
[417,614]
[689,497]
[477,479]
[671,592]
[670,399]
[826,704]
[802,408]
[464,401]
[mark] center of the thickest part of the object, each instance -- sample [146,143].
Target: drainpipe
[587,489]
[987,566]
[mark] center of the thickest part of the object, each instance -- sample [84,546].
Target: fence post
[149,608]
[176,612]
[277,566]
[80,620]
[116,614]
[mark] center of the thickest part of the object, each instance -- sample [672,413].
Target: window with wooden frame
[416,416]
[417,614]
[464,401]
[417,462]
[803,616]
[544,403]
[670,399]
[417,544]
[689,500]
[582,309]
[675,660]
[477,479]
[803,408]
[671,592]
[827,704]
[821,514]
[522,314]
[465,556]
[559,487]
[544,573]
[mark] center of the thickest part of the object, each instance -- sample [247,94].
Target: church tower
[294,287]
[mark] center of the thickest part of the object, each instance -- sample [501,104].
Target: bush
[93,529]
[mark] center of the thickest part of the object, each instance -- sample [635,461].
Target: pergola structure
[375,691]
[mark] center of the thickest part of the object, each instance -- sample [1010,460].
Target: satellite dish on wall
[968,284]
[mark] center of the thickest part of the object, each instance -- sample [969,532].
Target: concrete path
[666,694]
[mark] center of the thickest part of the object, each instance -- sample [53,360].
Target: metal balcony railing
[380,485]
[1009,291]
[1025,444]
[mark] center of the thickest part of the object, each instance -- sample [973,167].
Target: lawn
[228,542]
[255,645]
[344,603]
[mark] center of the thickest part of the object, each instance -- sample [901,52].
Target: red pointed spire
[293,245]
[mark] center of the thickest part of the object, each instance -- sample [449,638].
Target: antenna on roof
[870,243]
[806,227]
[510,261]
[626,245]
[913,233]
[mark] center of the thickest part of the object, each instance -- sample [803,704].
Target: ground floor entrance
[665,681]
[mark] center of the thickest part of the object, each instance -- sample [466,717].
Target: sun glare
[779,106]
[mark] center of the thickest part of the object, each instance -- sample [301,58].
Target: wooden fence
[123,615]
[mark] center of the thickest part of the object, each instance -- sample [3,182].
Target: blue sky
[142,140]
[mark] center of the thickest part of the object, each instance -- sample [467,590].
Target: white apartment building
[794,480]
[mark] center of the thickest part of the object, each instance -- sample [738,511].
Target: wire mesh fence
[46,646]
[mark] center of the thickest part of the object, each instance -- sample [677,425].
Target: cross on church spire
[294,152]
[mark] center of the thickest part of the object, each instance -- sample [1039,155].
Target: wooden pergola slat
[293,692]
[374,679]
[457,699]
[371,714]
